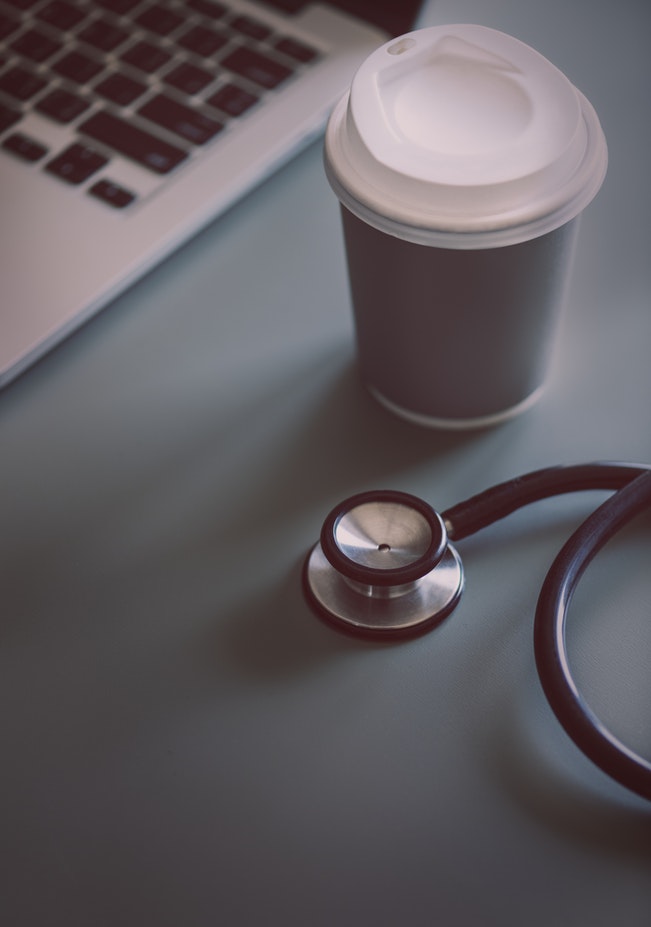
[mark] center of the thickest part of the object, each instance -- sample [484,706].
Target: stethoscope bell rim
[383,566]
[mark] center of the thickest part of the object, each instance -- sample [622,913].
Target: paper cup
[462,159]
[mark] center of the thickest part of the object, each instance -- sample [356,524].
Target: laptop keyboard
[152,82]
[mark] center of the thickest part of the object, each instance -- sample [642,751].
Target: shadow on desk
[320,436]
[579,809]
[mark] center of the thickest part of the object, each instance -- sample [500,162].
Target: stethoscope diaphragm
[383,566]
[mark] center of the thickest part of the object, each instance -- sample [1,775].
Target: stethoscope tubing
[491,505]
[550,648]
[632,495]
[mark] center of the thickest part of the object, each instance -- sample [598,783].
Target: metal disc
[383,611]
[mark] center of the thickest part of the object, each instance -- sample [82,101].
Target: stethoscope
[384,567]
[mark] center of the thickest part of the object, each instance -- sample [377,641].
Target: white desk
[183,743]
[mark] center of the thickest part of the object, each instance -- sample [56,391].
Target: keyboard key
[22,4]
[77,67]
[20,83]
[208,8]
[103,35]
[112,194]
[145,57]
[119,7]
[76,164]
[188,123]
[251,28]
[120,89]
[8,117]
[133,142]
[7,25]
[257,68]
[61,15]
[35,45]
[188,78]
[287,6]
[159,19]
[296,50]
[232,100]
[62,106]
[202,41]
[24,147]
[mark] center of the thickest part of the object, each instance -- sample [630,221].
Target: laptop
[126,126]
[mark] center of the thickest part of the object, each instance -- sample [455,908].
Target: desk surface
[183,742]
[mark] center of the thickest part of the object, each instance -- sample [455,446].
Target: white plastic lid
[464,137]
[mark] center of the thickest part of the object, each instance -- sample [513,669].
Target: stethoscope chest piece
[383,566]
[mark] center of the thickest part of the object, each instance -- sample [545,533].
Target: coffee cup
[462,160]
